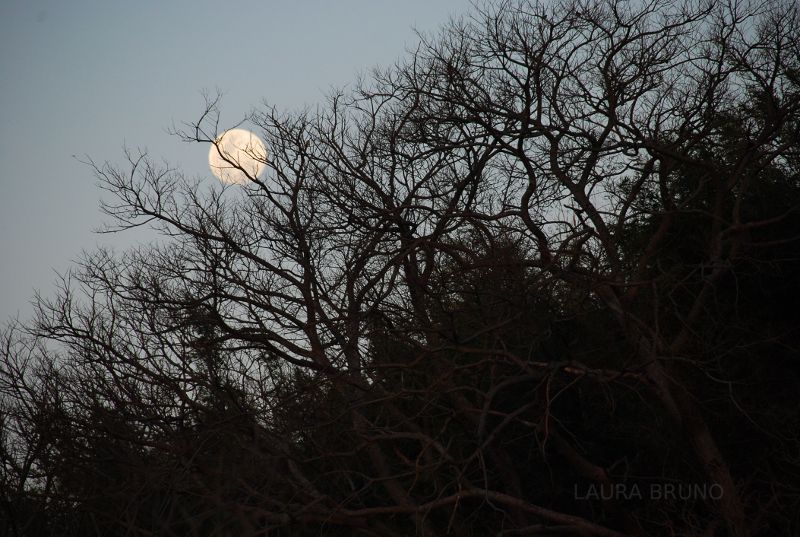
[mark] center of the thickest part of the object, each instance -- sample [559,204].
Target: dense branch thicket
[547,254]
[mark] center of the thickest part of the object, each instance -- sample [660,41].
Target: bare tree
[494,271]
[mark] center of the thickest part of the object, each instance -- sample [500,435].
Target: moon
[237,156]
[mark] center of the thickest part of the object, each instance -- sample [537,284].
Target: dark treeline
[511,285]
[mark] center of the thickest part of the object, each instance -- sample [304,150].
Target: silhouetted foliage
[551,252]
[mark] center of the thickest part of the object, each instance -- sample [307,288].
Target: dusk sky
[87,78]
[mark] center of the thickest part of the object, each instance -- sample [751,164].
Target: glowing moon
[237,156]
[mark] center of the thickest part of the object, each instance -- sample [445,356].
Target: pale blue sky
[88,77]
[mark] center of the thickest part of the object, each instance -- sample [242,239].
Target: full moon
[237,156]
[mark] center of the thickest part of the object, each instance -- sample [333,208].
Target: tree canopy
[551,251]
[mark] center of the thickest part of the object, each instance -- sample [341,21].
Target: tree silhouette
[547,253]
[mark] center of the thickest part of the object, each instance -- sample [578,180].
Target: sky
[87,78]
